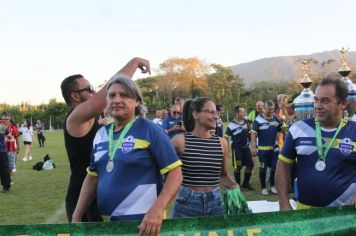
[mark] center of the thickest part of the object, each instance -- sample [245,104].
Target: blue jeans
[12,157]
[190,203]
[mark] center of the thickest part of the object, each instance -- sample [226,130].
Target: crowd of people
[10,145]
[131,168]
[135,167]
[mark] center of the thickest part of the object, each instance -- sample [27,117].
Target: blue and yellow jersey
[136,180]
[239,133]
[333,186]
[266,130]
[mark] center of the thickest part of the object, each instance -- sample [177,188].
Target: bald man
[259,110]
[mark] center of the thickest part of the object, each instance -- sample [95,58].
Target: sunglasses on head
[89,89]
[176,113]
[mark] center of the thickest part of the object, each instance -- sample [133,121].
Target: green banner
[317,221]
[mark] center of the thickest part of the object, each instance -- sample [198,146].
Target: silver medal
[110,166]
[320,165]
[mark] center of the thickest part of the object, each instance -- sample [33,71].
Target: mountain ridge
[285,68]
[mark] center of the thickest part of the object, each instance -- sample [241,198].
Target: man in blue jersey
[238,130]
[267,128]
[325,151]
[173,123]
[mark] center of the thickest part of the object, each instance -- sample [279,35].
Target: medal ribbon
[115,144]
[322,153]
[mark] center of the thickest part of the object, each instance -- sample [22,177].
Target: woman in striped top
[204,160]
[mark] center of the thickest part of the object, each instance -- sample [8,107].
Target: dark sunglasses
[176,113]
[89,89]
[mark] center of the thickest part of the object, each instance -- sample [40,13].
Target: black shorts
[268,158]
[25,142]
[242,157]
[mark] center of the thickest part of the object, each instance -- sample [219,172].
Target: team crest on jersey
[346,146]
[128,144]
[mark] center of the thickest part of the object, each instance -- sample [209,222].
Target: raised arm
[78,121]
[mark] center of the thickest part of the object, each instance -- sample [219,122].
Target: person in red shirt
[12,141]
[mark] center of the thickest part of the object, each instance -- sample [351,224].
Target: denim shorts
[11,156]
[190,203]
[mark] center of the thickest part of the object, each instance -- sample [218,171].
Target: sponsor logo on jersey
[346,146]
[128,144]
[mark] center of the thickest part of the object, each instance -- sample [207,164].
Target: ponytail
[188,108]
[188,119]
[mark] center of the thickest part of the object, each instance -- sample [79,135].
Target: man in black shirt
[80,127]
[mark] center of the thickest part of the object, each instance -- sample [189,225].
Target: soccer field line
[56,216]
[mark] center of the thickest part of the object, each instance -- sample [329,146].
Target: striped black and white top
[202,161]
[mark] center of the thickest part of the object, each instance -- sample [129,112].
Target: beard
[82,98]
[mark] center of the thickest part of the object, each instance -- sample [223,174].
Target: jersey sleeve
[163,151]
[228,131]
[98,146]
[288,153]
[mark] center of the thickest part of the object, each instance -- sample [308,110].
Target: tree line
[52,114]
[188,78]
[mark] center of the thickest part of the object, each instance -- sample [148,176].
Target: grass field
[38,196]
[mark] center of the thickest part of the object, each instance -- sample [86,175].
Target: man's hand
[151,223]
[182,128]
[176,128]
[143,65]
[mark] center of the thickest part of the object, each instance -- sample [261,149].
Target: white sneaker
[265,192]
[274,190]
[24,159]
[29,158]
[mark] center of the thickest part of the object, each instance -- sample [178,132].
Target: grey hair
[269,103]
[281,96]
[133,91]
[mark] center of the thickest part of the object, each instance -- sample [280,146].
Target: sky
[42,41]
